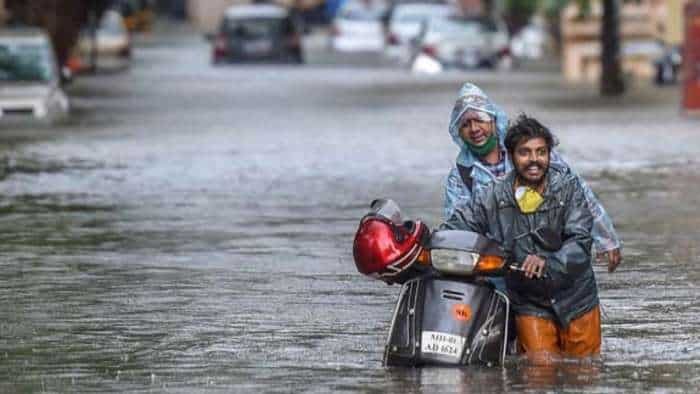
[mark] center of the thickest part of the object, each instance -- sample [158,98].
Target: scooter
[453,315]
[448,313]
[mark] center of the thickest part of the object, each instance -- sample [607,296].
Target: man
[552,288]
[478,127]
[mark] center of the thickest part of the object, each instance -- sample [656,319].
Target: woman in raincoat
[478,127]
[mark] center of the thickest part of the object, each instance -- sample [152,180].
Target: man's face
[476,131]
[531,161]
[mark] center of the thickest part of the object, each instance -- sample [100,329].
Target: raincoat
[458,193]
[568,288]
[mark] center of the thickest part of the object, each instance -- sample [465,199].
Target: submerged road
[190,229]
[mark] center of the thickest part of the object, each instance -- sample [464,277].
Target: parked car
[112,46]
[465,43]
[530,42]
[404,25]
[358,27]
[29,77]
[668,65]
[258,32]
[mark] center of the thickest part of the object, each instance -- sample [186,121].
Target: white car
[29,77]
[465,43]
[530,42]
[405,23]
[358,27]
[113,44]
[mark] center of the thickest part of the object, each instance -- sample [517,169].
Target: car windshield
[456,27]
[419,15]
[25,62]
[252,28]
[112,24]
[358,12]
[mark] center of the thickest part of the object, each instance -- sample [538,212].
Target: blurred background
[181,180]
[645,36]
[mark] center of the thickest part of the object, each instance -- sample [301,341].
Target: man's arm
[574,257]
[603,232]
[472,216]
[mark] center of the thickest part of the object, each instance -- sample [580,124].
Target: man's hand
[614,258]
[533,266]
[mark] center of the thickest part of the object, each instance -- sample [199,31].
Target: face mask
[486,148]
[528,199]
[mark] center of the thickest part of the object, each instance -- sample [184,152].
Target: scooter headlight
[454,262]
[459,262]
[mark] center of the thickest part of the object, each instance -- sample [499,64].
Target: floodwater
[190,229]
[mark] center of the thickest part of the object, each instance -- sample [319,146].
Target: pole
[611,82]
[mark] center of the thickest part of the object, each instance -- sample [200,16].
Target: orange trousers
[581,338]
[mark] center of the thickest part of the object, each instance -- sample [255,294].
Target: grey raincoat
[458,193]
[568,289]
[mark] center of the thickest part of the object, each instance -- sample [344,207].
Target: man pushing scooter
[538,213]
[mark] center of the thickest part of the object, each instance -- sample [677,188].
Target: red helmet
[386,250]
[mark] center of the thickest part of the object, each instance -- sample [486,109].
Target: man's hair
[526,128]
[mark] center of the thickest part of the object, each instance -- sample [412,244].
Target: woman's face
[476,131]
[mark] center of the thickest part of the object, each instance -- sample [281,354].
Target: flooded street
[190,228]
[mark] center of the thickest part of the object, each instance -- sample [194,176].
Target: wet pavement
[190,228]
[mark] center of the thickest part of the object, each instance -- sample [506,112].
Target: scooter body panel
[448,321]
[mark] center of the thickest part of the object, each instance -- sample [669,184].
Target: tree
[518,13]
[62,19]
[611,81]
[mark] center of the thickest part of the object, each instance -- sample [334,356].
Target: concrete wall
[206,14]
[641,26]
[674,21]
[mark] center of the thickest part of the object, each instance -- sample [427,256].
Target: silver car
[358,27]
[112,44]
[465,43]
[29,77]
[405,24]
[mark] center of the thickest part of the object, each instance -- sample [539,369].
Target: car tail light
[125,52]
[504,52]
[220,45]
[392,39]
[294,40]
[75,64]
[430,50]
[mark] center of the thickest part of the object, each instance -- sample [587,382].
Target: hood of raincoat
[472,97]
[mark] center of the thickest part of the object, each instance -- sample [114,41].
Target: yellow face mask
[528,199]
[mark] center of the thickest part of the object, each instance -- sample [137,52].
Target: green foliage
[521,7]
[518,12]
[552,8]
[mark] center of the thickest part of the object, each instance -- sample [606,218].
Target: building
[645,26]
[206,15]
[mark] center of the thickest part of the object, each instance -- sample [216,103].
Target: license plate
[257,47]
[441,343]
[470,59]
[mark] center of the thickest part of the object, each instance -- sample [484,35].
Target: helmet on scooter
[386,247]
